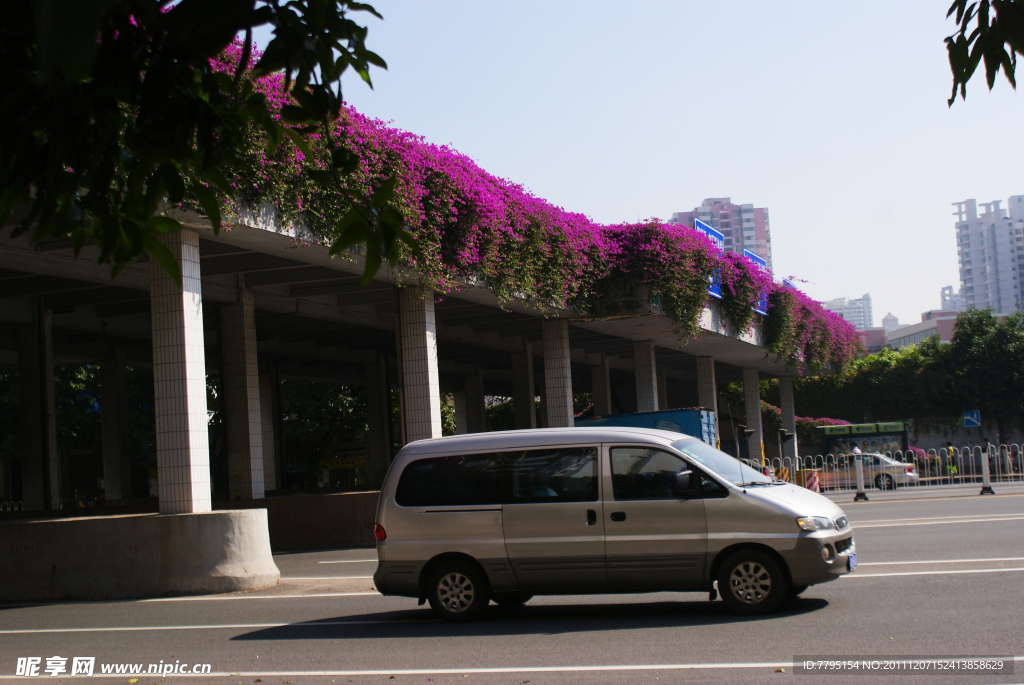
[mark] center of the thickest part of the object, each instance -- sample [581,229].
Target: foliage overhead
[112,107]
[989,31]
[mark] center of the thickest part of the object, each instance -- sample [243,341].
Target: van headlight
[814,523]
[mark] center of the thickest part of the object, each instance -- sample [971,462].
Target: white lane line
[283,578]
[861,526]
[349,561]
[933,573]
[936,518]
[220,626]
[288,596]
[938,561]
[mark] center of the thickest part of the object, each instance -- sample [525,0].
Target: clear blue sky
[831,114]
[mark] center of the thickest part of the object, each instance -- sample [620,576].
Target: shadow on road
[526,620]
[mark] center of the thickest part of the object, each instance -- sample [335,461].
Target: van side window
[451,481]
[566,474]
[640,473]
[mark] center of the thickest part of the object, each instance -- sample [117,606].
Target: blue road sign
[762,303]
[972,419]
[718,238]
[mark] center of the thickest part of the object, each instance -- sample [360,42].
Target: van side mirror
[682,486]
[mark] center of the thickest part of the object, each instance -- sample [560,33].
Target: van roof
[537,437]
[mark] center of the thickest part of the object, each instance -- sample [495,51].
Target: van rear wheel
[752,582]
[457,591]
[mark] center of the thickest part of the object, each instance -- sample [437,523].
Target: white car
[885,473]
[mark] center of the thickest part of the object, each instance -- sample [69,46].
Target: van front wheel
[751,582]
[457,591]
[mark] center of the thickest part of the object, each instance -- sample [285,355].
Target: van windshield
[726,466]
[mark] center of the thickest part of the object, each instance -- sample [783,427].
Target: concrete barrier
[142,555]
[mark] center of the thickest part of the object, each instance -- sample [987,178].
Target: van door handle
[591,517]
[618,516]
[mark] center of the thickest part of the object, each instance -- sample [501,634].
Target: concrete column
[40,463]
[476,418]
[523,392]
[662,388]
[601,382]
[707,387]
[557,373]
[268,429]
[421,396]
[752,409]
[179,380]
[461,412]
[243,427]
[646,374]
[117,465]
[378,421]
[790,449]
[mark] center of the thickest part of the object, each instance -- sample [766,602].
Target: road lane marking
[938,518]
[933,573]
[283,578]
[506,669]
[861,526]
[288,596]
[218,626]
[938,561]
[873,503]
[349,561]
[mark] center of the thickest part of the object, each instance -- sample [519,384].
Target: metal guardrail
[10,506]
[913,468]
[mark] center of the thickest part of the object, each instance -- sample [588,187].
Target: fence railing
[912,468]
[10,506]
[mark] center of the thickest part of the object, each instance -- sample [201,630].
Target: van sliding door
[553,520]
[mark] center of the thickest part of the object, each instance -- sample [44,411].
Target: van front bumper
[807,561]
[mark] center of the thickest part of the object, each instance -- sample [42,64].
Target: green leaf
[385,191]
[159,253]
[163,224]
[210,204]
[172,181]
[300,143]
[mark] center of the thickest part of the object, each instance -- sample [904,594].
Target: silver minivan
[467,519]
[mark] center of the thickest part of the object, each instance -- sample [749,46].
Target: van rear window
[567,474]
[451,481]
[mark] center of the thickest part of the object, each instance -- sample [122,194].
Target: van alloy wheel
[457,591]
[751,582]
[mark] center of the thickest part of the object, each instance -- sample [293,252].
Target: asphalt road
[940,574]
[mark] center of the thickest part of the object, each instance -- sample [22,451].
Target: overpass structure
[259,302]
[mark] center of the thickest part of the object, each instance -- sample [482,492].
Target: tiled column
[378,421]
[117,473]
[421,387]
[243,427]
[557,373]
[752,409]
[461,412]
[523,392]
[268,428]
[788,407]
[646,373]
[475,416]
[601,382]
[179,381]
[662,388]
[40,463]
[707,387]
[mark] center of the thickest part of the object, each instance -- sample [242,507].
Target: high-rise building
[990,247]
[744,226]
[890,322]
[952,301]
[857,312]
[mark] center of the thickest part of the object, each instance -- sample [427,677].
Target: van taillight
[378,532]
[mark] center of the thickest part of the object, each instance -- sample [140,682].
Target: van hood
[801,501]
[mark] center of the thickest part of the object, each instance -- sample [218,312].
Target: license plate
[853,561]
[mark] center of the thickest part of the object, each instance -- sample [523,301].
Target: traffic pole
[861,495]
[986,479]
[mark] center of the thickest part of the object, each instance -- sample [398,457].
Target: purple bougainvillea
[473,227]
